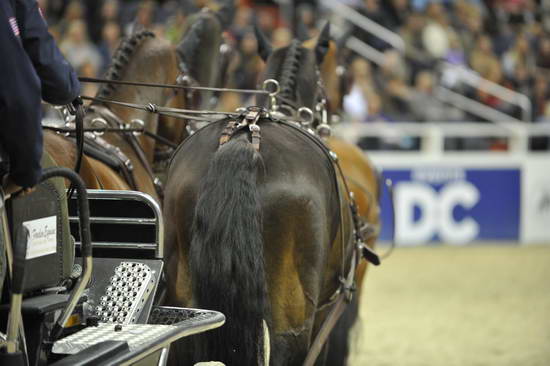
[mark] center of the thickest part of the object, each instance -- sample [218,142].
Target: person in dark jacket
[31,68]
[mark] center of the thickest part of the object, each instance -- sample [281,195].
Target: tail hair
[226,256]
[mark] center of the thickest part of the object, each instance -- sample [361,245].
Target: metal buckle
[99,123]
[275,89]
[137,124]
[306,116]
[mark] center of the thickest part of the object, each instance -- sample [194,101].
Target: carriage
[84,310]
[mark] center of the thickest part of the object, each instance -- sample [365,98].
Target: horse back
[300,227]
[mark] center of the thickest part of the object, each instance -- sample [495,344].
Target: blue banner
[452,205]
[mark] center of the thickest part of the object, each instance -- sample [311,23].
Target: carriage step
[126,294]
[168,315]
[141,338]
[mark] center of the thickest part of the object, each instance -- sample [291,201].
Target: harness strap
[78,110]
[343,296]
[99,149]
[136,146]
[248,119]
[325,330]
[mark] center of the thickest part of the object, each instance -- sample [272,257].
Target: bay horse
[261,234]
[141,57]
[199,52]
[363,180]
[361,174]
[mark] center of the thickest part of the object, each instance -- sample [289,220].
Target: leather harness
[126,168]
[344,294]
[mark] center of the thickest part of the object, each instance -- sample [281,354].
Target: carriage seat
[44,212]
[50,255]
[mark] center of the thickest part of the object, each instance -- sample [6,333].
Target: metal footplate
[142,339]
[122,291]
[168,315]
[127,293]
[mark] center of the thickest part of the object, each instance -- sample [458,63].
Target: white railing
[358,46]
[472,106]
[365,23]
[432,135]
[470,77]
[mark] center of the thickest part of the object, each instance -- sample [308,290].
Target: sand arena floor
[476,305]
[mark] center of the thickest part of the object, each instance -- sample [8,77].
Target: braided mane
[289,71]
[121,58]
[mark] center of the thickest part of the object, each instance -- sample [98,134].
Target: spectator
[109,42]
[397,13]
[175,26]
[251,64]
[392,80]
[372,10]
[73,13]
[356,102]
[455,54]
[483,59]
[437,32]
[545,117]
[541,94]
[109,11]
[415,53]
[469,25]
[543,54]
[243,19]
[281,37]
[375,113]
[520,53]
[425,107]
[78,49]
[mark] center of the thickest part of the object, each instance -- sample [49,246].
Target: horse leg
[338,342]
[295,262]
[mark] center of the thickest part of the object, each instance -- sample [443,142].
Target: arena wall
[464,197]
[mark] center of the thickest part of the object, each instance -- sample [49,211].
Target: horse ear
[302,32]
[226,13]
[323,44]
[264,47]
[190,44]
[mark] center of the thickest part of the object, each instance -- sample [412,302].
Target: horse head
[297,70]
[198,55]
[199,49]
[332,73]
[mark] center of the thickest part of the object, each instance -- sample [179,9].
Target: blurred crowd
[506,42]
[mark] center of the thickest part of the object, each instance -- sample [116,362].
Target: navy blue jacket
[31,68]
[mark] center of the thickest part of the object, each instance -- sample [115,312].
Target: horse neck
[151,67]
[328,74]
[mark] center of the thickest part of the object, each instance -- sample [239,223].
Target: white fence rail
[432,135]
[459,197]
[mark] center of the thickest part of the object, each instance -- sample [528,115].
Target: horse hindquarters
[226,256]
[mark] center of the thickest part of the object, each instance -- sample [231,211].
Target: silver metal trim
[163,359]
[103,244]
[117,220]
[172,339]
[13,323]
[81,285]
[135,196]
